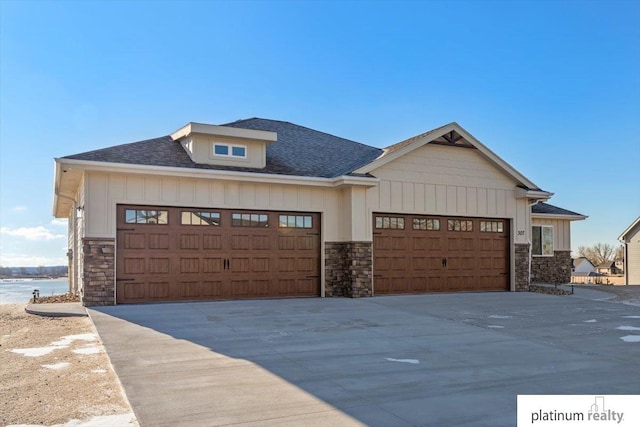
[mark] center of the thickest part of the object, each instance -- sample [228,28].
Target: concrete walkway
[455,359]
[61,309]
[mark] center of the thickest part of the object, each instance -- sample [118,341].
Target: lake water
[13,292]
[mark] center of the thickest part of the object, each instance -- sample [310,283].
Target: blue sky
[553,87]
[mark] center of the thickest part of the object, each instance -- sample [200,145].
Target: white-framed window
[229,150]
[542,240]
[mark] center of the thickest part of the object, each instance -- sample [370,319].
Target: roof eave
[622,237]
[339,181]
[559,216]
[206,129]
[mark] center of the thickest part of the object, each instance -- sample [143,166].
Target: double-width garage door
[417,254]
[170,254]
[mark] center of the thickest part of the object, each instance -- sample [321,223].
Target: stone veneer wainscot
[99,272]
[522,267]
[348,269]
[554,269]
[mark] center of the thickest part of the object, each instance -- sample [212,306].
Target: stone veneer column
[348,269]
[554,269]
[522,267]
[99,272]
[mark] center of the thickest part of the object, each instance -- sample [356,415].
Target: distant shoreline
[30,279]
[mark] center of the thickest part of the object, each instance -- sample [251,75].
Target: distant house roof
[299,151]
[607,264]
[580,260]
[547,209]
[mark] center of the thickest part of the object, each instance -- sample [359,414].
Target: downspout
[626,263]
[531,204]
[74,279]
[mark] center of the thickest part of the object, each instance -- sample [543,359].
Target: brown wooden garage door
[170,254]
[417,254]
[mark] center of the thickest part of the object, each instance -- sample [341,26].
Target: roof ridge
[423,134]
[306,127]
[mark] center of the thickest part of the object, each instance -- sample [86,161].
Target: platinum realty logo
[578,410]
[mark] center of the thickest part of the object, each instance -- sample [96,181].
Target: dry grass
[83,386]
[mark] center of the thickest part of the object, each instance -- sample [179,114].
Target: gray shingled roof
[299,151]
[545,208]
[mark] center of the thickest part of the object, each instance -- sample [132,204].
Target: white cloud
[20,260]
[19,208]
[61,222]
[31,233]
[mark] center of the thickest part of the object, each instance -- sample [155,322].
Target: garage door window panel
[426,224]
[459,225]
[491,226]
[390,222]
[144,216]
[200,218]
[249,220]
[295,221]
[542,240]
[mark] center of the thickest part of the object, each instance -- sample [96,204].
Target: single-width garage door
[416,254]
[170,254]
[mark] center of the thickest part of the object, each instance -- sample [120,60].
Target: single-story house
[608,267]
[264,208]
[582,265]
[631,240]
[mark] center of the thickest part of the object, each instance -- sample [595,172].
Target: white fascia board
[554,216]
[622,236]
[56,182]
[493,157]
[219,174]
[537,195]
[58,175]
[201,128]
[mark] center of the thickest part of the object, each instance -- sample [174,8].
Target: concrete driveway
[454,359]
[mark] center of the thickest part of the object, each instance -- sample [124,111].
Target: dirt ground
[625,294]
[54,370]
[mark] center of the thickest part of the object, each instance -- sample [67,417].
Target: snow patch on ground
[495,326]
[120,420]
[66,341]
[590,321]
[63,342]
[99,371]
[88,350]
[57,366]
[631,338]
[631,317]
[499,316]
[412,361]
[34,352]
[628,328]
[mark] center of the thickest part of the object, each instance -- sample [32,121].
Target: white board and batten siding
[105,190]
[439,180]
[633,257]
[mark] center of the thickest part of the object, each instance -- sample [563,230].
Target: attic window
[228,150]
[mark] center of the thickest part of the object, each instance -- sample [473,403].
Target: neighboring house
[619,263]
[608,267]
[582,265]
[264,208]
[631,240]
